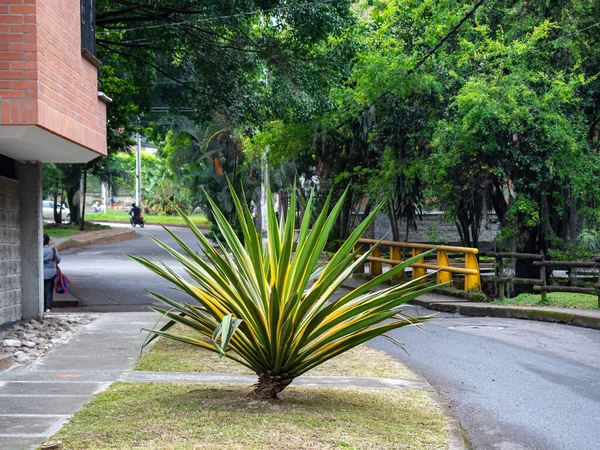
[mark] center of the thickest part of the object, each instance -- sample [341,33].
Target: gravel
[29,340]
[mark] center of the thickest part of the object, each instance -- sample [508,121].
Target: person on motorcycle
[135,212]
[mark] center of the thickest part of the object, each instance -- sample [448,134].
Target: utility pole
[138,170]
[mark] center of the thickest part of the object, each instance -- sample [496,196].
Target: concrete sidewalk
[36,400]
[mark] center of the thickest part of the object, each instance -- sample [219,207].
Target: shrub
[272,309]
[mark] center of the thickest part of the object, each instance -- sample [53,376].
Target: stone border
[6,361]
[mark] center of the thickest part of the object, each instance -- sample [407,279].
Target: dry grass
[171,356]
[200,416]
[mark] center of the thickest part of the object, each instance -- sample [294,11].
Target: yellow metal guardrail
[470,270]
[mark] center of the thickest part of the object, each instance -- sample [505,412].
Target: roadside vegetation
[554,299]
[66,230]
[113,215]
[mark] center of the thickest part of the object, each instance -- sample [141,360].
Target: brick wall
[10,259]
[44,80]
[18,62]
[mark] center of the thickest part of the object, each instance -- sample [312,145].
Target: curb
[176,225]
[475,309]
[115,236]
[457,437]
[539,315]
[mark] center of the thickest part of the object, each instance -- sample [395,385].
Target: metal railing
[443,263]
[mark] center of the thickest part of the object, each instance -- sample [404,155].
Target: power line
[214,18]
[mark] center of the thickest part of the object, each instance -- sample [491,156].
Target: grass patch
[67,229]
[554,299]
[172,356]
[197,416]
[59,232]
[115,215]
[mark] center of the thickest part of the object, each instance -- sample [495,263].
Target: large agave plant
[268,306]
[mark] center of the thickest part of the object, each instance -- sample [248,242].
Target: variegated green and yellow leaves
[267,302]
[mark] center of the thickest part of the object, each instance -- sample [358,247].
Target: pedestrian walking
[51,259]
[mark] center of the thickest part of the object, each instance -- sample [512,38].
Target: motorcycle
[137,221]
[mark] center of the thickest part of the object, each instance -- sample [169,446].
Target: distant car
[48,210]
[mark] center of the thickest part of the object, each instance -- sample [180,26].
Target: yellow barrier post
[375,266]
[472,282]
[418,272]
[361,268]
[443,261]
[396,255]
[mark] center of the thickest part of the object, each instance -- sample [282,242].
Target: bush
[270,309]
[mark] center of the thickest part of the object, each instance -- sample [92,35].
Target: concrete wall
[10,251]
[433,229]
[32,280]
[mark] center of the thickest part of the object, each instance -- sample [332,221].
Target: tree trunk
[269,386]
[393,221]
[57,215]
[71,191]
[82,205]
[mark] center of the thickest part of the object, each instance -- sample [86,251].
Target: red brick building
[50,111]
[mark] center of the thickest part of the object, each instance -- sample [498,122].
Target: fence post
[375,266]
[396,255]
[472,282]
[442,260]
[418,272]
[500,273]
[543,294]
[361,268]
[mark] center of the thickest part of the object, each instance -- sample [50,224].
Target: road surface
[513,384]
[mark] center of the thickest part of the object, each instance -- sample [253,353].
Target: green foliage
[267,306]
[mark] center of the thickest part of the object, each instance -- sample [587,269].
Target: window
[88,29]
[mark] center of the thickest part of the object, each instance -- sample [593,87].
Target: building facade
[50,111]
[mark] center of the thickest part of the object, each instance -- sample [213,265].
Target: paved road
[104,279]
[513,384]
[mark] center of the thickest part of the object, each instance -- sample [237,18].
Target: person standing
[51,259]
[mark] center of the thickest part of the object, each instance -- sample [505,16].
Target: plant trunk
[269,386]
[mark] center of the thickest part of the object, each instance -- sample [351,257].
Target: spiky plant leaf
[268,305]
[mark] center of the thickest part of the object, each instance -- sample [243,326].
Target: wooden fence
[443,263]
[541,284]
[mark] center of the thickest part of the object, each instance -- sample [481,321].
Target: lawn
[202,416]
[171,356]
[554,299]
[114,215]
[66,229]
[206,416]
